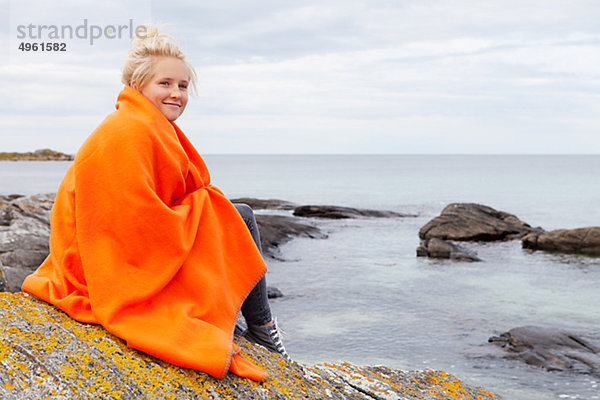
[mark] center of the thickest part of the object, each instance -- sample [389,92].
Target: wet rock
[438,248]
[265,204]
[551,349]
[337,212]
[46,354]
[474,222]
[273,292]
[275,230]
[580,241]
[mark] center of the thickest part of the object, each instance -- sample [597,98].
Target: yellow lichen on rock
[46,354]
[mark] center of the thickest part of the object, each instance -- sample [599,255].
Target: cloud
[350,76]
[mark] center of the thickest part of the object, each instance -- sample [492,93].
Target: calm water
[363,296]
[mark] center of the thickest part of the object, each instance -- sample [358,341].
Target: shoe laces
[276,333]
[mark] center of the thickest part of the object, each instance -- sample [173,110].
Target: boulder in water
[474,222]
[265,204]
[579,241]
[337,212]
[438,248]
[551,349]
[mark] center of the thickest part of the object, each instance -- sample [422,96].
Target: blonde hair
[147,44]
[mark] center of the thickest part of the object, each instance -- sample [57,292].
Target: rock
[13,278]
[273,292]
[276,230]
[474,222]
[3,279]
[46,354]
[337,212]
[438,248]
[551,349]
[581,241]
[265,204]
[24,235]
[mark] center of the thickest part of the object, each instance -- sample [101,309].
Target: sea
[362,295]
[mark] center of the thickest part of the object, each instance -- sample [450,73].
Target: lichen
[46,354]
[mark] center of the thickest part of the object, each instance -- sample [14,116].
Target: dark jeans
[256,309]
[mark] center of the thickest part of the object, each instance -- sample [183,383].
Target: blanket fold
[144,245]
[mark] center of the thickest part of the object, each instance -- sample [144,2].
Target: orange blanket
[144,245]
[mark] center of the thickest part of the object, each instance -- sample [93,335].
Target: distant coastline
[38,155]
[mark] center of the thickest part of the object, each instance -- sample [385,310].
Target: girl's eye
[164,83]
[183,86]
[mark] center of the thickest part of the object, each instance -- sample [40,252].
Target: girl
[143,244]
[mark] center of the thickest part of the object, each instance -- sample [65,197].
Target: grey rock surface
[275,230]
[24,234]
[551,349]
[265,204]
[338,212]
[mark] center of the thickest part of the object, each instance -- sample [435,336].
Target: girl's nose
[175,91]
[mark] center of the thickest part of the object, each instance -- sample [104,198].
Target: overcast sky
[343,76]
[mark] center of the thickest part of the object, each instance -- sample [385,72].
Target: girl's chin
[171,115]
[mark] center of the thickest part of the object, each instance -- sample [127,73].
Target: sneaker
[267,336]
[238,331]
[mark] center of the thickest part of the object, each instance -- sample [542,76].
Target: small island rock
[38,155]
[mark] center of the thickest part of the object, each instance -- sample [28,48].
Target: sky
[322,77]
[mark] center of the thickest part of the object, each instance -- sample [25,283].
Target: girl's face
[168,87]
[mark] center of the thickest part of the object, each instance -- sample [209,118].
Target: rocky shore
[24,233]
[46,354]
[38,155]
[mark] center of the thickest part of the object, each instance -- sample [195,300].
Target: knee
[245,211]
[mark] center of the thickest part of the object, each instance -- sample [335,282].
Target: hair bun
[148,36]
[146,43]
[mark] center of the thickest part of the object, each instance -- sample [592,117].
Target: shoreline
[37,155]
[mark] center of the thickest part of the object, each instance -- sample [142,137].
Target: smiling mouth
[172,104]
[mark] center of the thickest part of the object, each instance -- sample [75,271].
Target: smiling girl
[142,243]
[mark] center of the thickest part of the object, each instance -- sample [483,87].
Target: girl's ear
[134,85]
